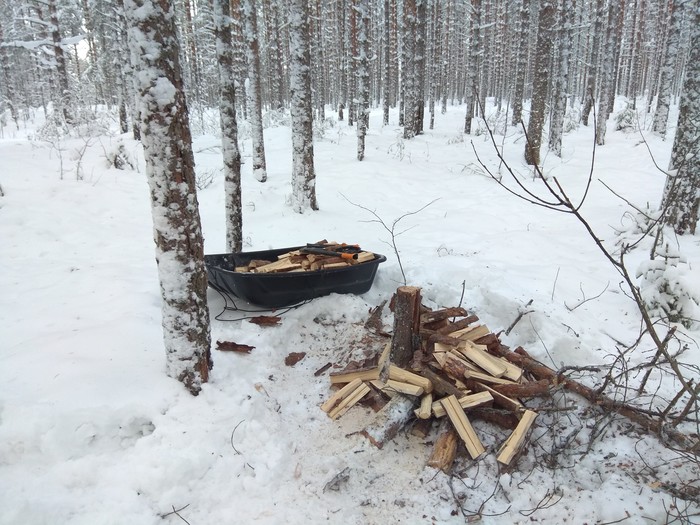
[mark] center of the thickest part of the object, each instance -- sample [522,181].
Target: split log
[515,441]
[540,371]
[425,410]
[399,374]
[341,394]
[444,450]
[406,325]
[441,315]
[459,325]
[466,402]
[441,385]
[463,427]
[349,401]
[389,421]
[513,405]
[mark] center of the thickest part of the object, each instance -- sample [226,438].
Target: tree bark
[541,76]
[682,191]
[303,172]
[167,144]
[254,91]
[229,126]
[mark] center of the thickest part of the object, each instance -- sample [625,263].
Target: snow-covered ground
[92,431]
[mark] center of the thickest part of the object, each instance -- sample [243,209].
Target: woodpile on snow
[322,255]
[440,365]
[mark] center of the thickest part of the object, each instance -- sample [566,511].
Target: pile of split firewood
[439,364]
[323,255]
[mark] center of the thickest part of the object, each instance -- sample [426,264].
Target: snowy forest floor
[93,432]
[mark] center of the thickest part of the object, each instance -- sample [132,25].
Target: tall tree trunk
[229,126]
[607,80]
[682,191]
[303,173]
[535,126]
[362,76]
[386,82]
[668,69]
[561,80]
[472,87]
[167,144]
[408,68]
[420,63]
[352,66]
[591,79]
[254,92]
[64,99]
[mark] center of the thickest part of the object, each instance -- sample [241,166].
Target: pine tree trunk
[362,76]
[303,173]
[668,69]
[64,96]
[386,82]
[352,67]
[472,87]
[254,91]
[535,126]
[591,79]
[167,144]
[229,126]
[408,68]
[561,80]
[682,191]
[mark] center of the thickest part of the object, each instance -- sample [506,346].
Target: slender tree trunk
[254,91]
[352,67]
[606,81]
[229,126]
[64,98]
[362,76]
[408,69]
[561,80]
[592,76]
[303,173]
[472,87]
[668,69]
[386,83]
[682,191]
[167,144]
[535,126]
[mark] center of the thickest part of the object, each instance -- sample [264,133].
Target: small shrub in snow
[665,285]
[119,158]
[626,120]
[204,178]
[276,118]
[458,138]
[322,127]
[572,118]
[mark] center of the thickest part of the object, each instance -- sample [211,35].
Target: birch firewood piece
[389,421]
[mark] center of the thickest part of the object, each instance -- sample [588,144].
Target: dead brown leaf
[293,358]
[265,320]
[230,346]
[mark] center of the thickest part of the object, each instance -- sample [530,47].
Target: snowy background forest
[415,106]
